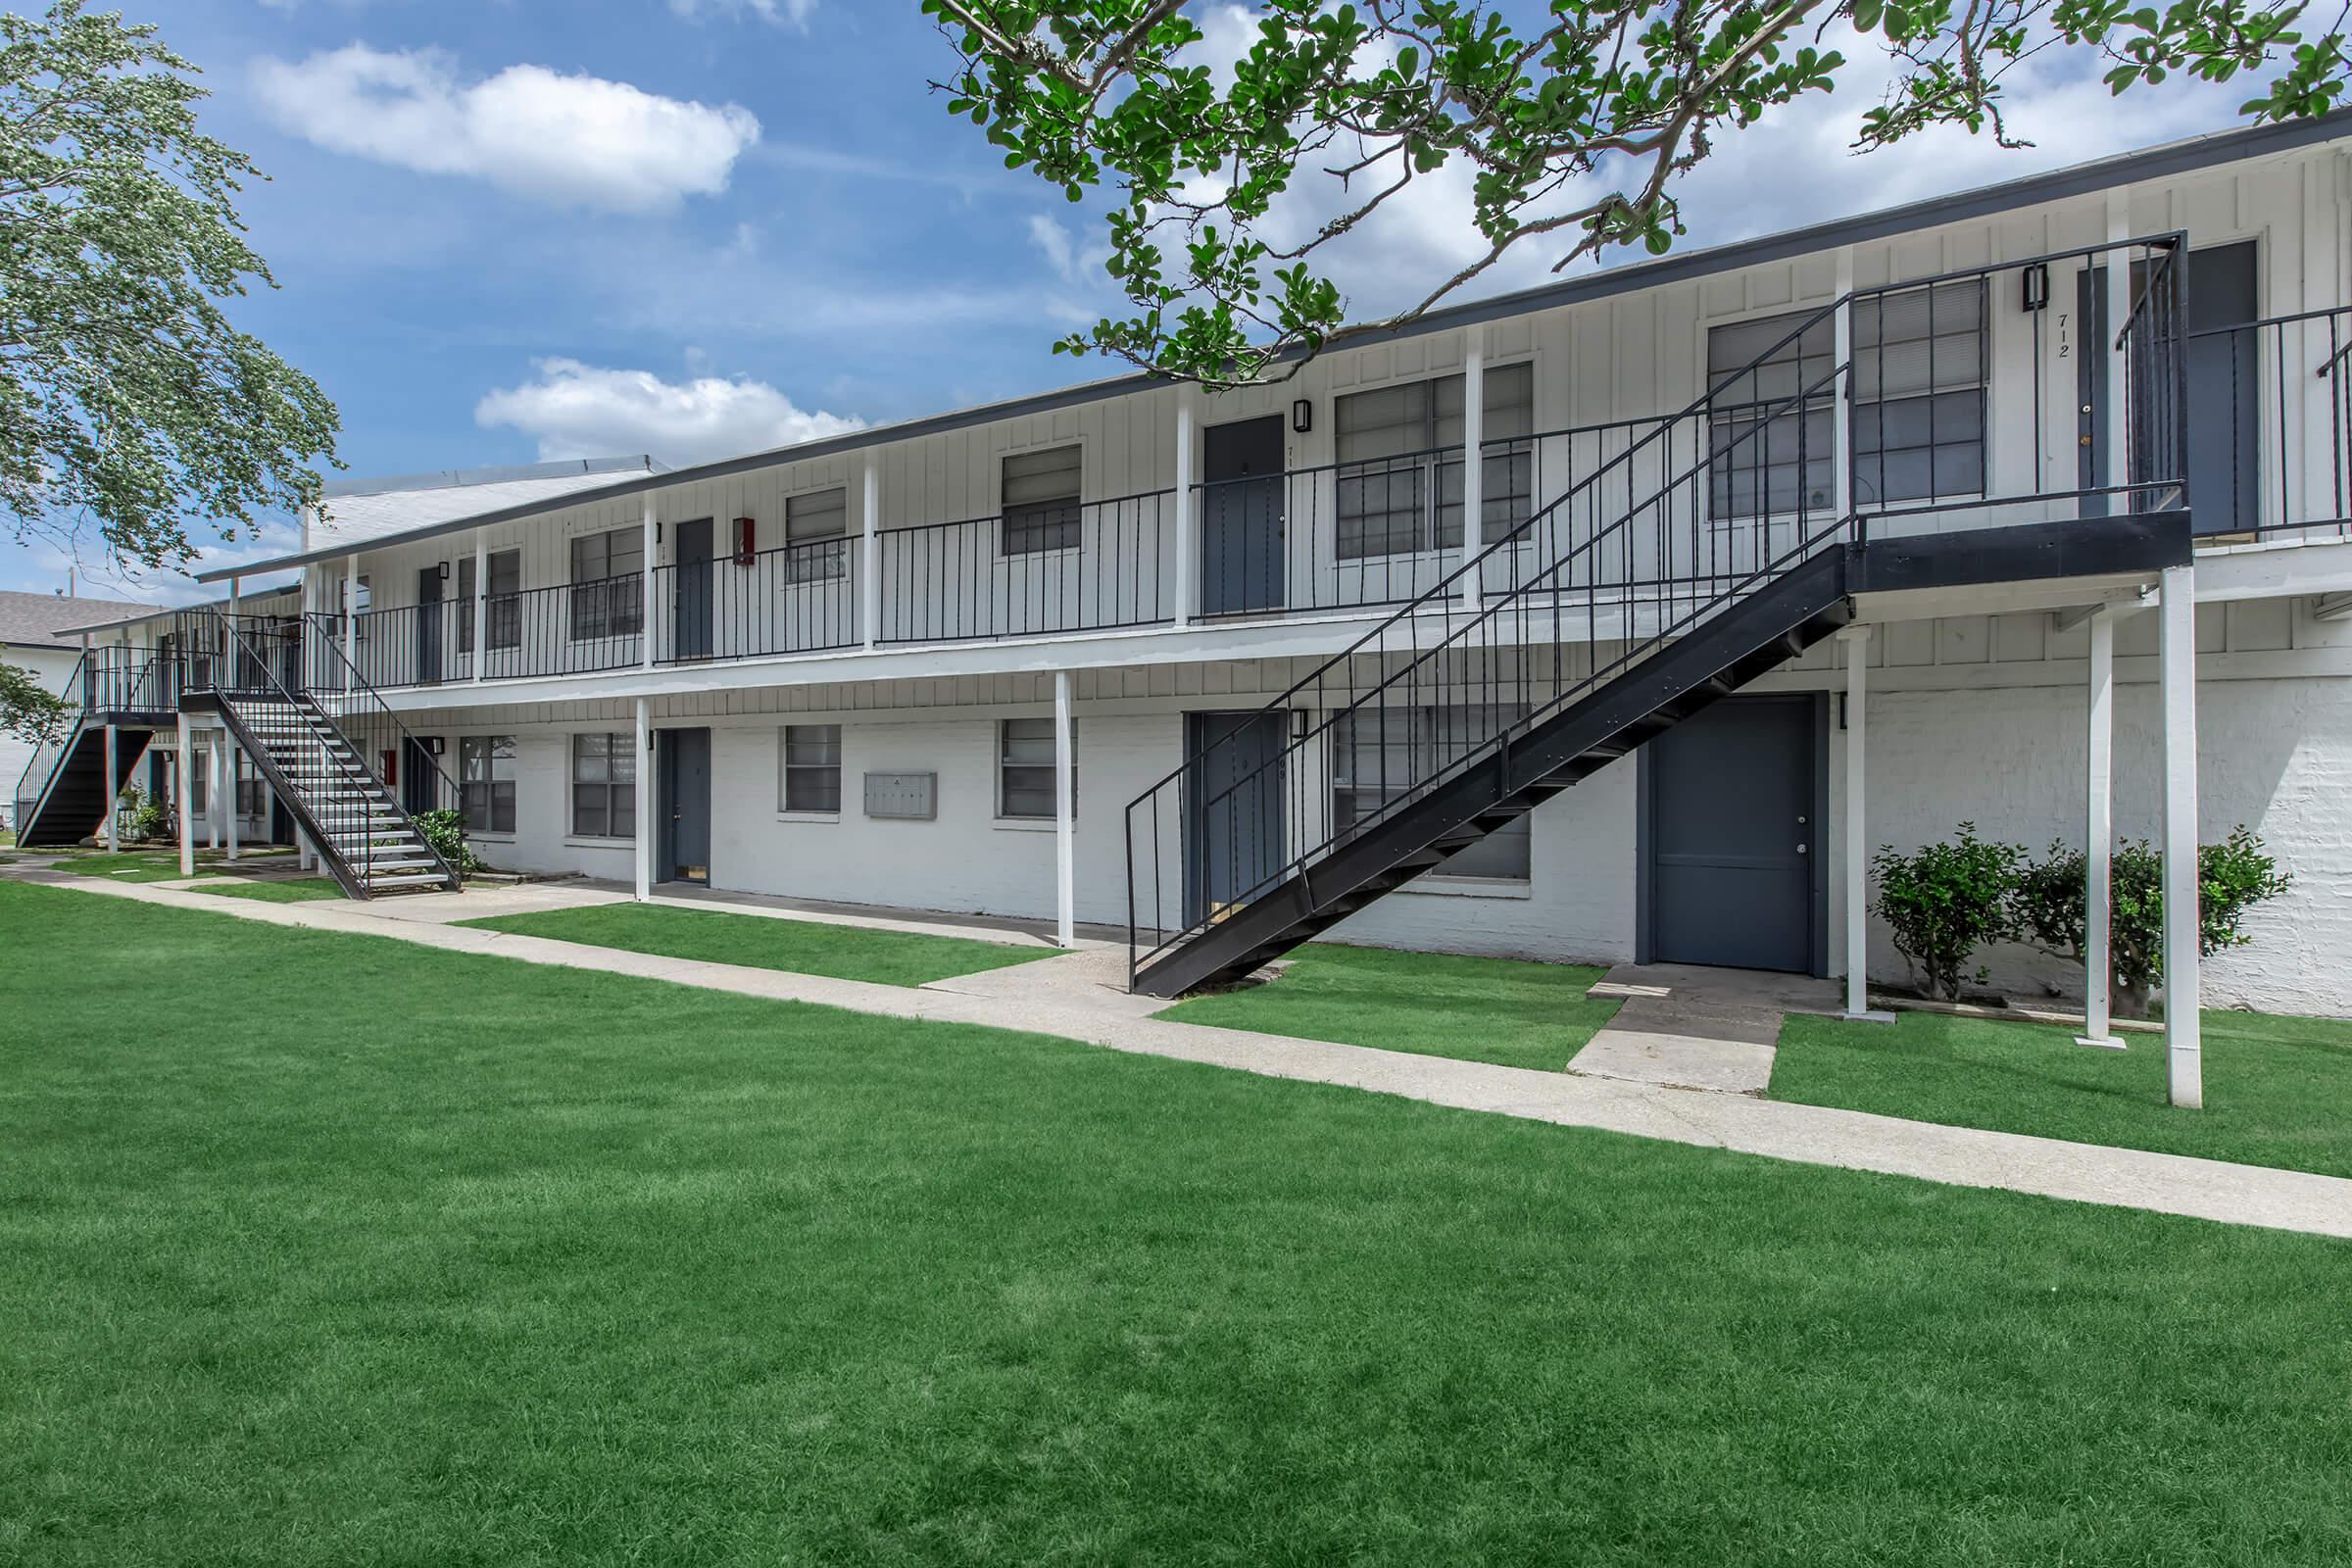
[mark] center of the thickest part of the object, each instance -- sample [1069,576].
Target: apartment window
[1041,501]
[603,786]
[503,612]
[811,767]
[1025,768]
[200,781]
[810,520]
[1919,393]
[1918,404]
[1378,756]
[1401,463]
[486,782]
[607,593]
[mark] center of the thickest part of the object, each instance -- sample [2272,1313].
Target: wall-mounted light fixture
[1303,415]
[2036,286]
[445,571]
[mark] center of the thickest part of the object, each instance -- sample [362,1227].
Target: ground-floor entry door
[684,808]
[1234,839]
[1242,467]
[1730,837]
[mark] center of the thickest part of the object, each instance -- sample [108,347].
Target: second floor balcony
[1962,401]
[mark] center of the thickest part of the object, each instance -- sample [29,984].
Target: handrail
[52,750]
[252,672]
[1475,659]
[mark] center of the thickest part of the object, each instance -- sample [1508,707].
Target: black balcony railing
[1099,566]
[1681,519]
[796,599]
[2271,434]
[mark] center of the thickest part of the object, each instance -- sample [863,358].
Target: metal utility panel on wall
[906,795]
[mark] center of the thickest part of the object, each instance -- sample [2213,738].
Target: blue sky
[508,229]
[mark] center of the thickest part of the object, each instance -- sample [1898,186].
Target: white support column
[481,605]
[113,791]
[188,798]
[2119,306]
[2098,838]
[351,620]
[1187,510]
[647,799]
[215,756]
[1856,641]
[869,551]
[229,750]
[650,531]
[1841,407]
[1474,435]
[2176,657]
[1065,817]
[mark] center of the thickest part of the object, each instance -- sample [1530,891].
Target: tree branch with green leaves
[131,408]
[1576,120]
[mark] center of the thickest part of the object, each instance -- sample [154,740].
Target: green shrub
[1944,902]
[445,831]
[144,818]
[2233,876]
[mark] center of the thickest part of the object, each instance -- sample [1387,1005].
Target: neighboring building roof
[357,509]
[2079,179]
[246,600]
[30,619]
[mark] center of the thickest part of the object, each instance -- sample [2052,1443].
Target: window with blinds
[811,767]
[607,592]
[1041,501]
[1025,768]
[1920,367]
[1401,463]
[486,782]
[1378,755]
[812,520]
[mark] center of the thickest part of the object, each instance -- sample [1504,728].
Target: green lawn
[763,942]
[442,1259]
[284,890]
[1479,1010]
[2278,1091]
[133,865]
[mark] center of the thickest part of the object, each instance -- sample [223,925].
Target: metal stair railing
[1693,512]
[40,769]
[324,749]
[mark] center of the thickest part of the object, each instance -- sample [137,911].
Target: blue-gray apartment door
[428,626]
[691,621]
[1732,828]
[1232,833]
[685,804]
[2225,474]
[1241,467]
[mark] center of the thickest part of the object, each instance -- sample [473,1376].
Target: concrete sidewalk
[1081,996]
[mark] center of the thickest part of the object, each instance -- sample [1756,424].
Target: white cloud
[583,410]
[792,12]
[569,140]
[1075,263]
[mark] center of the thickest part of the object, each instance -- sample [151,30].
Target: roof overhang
[2032,190]
[166,611]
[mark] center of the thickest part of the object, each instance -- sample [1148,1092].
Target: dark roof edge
[2058,184]
[460,478]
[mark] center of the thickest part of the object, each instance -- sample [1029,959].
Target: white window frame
[622,614]
[1004,762]
[1428,466]
[1075,522]
[621,743]
[466,743]
[814,568]
[786,767]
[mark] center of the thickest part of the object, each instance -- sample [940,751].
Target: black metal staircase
[1693,554]
[64,794]
[326,753]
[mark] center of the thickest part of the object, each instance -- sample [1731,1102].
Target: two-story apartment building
[1616,620]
